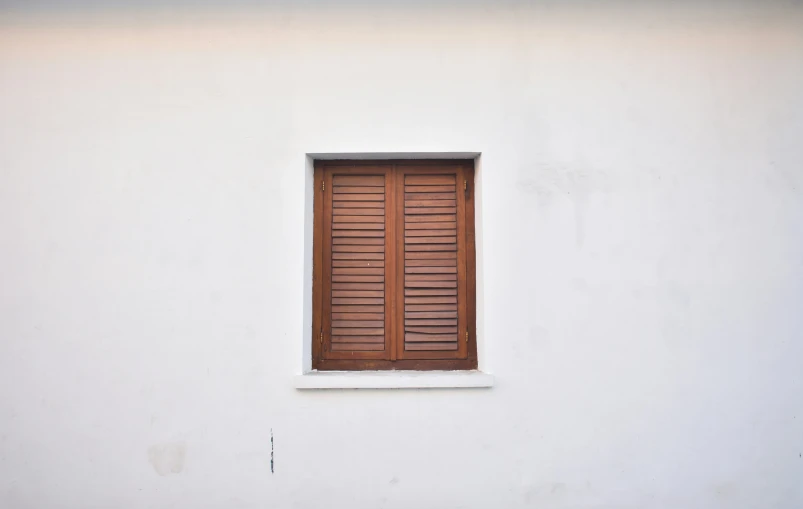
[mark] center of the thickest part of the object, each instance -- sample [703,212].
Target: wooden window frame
[322,259]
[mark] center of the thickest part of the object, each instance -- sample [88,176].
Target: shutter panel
[356,269]
[431,277]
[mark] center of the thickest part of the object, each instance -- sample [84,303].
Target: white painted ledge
[393,380]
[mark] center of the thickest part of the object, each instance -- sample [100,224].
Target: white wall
[642,217]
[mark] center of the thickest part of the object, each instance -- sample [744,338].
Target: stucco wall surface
[641,253]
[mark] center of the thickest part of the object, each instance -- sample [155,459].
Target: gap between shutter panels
[430,263]
[358,263]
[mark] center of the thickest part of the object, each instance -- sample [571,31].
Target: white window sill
[393,380]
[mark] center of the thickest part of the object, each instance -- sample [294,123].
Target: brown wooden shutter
[393,266]
[432,319]
[356,242]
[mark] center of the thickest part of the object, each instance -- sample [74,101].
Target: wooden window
[393,275]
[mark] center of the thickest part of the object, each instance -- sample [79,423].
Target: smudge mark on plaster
[574,180]
[558,488]
[726,490]
[271,450]
[167,458]
[394,480]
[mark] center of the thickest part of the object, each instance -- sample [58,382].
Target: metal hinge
[323,186]
[465,185]
[321,337]
[466,337]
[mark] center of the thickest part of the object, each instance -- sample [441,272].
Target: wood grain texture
[357,256]
[350,205]
[471,265]
[357,226]
[357,300]
[433,262]
[358,309]
[430,240]
[353,248]
[446,322]
[359,180]
[430,247]
[317,265]
[358,339]
[357,331]
[429,189]
[372,240]
[430,256]
[430,270]
[430,218]
[356,347]
[410,228]
[359,218]
[351,285]
[358,263]
[358,197]
[373,271]
[424,212]
[356,189]
[434,347]
[438,291]
[373,211]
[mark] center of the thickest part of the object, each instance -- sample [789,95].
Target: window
[394,265]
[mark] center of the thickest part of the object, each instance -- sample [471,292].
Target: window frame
[320,169]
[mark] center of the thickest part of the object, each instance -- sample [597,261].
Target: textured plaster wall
[641,253]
